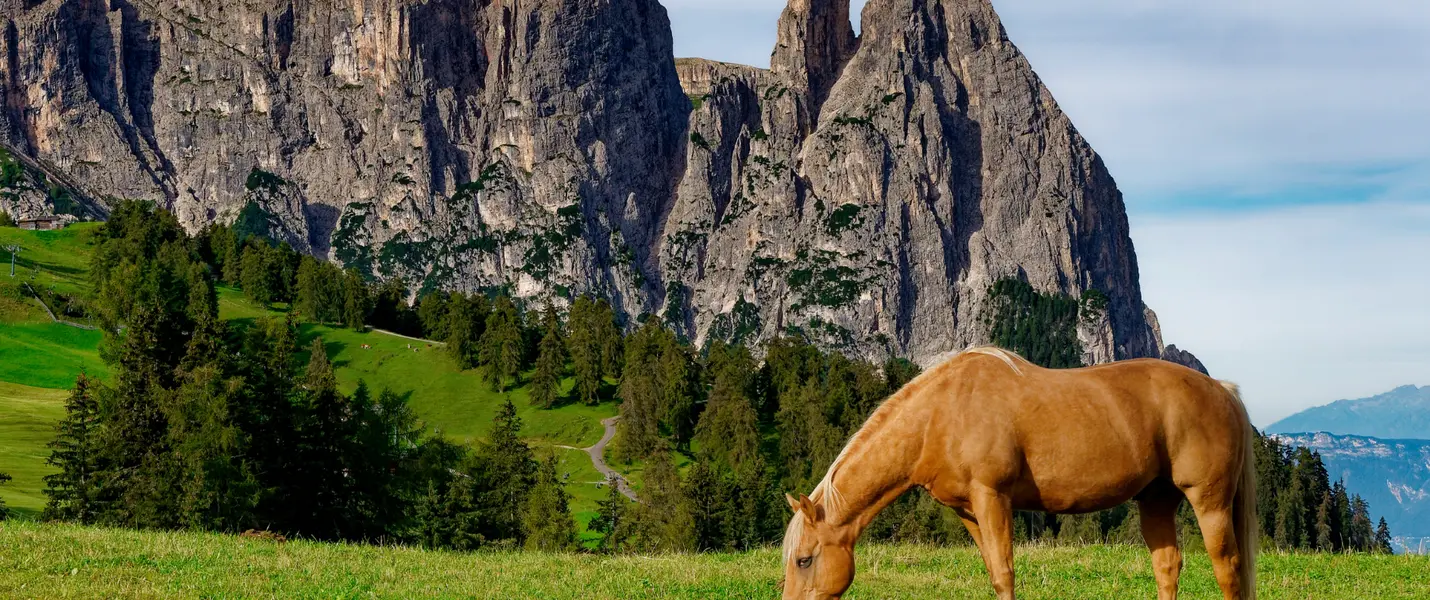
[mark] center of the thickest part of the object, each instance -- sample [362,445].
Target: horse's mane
[828,493]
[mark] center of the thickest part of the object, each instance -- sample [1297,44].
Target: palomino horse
[988,433]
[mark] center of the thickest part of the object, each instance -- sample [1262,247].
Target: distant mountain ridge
[1393,475]
[1403,413]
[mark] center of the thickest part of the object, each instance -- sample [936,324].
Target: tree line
[212,425]
[227,413]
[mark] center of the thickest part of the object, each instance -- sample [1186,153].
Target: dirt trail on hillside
[598,458]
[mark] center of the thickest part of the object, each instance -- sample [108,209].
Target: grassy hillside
[51,259]
[48,354]
[27,418]
[61,561]
[40,358]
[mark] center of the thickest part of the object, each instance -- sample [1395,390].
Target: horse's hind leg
[1158,512]
[1215,518]
[994,513]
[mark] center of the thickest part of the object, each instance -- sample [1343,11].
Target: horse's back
[1079,439]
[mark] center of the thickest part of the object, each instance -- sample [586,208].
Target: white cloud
[1302,305]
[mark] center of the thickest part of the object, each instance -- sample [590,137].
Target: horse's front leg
[994,514]
[971,524]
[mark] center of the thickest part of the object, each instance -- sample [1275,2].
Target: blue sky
[1275,157]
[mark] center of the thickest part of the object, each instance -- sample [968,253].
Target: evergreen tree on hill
[501,344]
[728,431]
[1382,538]
[206,341]
[642,394]
[547,519]
[550,362]
[432,314]
[614,520]
[1362,533]
[316,483]
[1341,506]
[356,301]
[678,376]
[710,497]
[466,324]
[254,275]
[217,490]
[136,477]
[665,520]
[594,345]
[1324,540]
[509,472]
[4,478]
[73,491]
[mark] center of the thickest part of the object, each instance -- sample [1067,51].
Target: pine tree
[73,490]
[594,346]
[550,361]
[641,396]
[217,490]
[4,478]
[432,315]
[710,498]
[253,274]
[466,321]
[1362,535]
[452,517]
[357,302]
[758,515]
[1341,517]
[1324,540]
[501,344]
[728,431]
[135,478]
[207,339]
[314,484]
[665,520]
[510,470]
[1382,538]
[1288,533]
[547,520]
[678,377]
[614,520]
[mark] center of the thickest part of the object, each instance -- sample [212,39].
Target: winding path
[598,458]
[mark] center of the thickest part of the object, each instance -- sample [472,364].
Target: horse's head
[819,557]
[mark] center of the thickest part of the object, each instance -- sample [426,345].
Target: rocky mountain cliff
[865,189]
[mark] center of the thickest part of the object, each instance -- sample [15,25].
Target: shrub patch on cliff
[1041,327]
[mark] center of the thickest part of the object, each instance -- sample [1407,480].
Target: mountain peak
[1402,413]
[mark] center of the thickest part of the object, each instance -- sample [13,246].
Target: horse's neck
[875,470]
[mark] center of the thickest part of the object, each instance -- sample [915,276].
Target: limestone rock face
[529,144]
[865,190]
[875,218]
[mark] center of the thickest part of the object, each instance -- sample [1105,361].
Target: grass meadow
[63,561]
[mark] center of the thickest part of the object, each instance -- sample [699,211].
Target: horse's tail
[1245,521]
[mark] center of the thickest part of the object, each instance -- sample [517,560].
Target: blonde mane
[827,493]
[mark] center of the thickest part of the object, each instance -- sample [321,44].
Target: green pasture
[64,561]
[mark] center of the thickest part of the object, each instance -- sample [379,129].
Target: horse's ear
[793,504]
[812,511]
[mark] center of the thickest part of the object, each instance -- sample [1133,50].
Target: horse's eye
[803,563]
